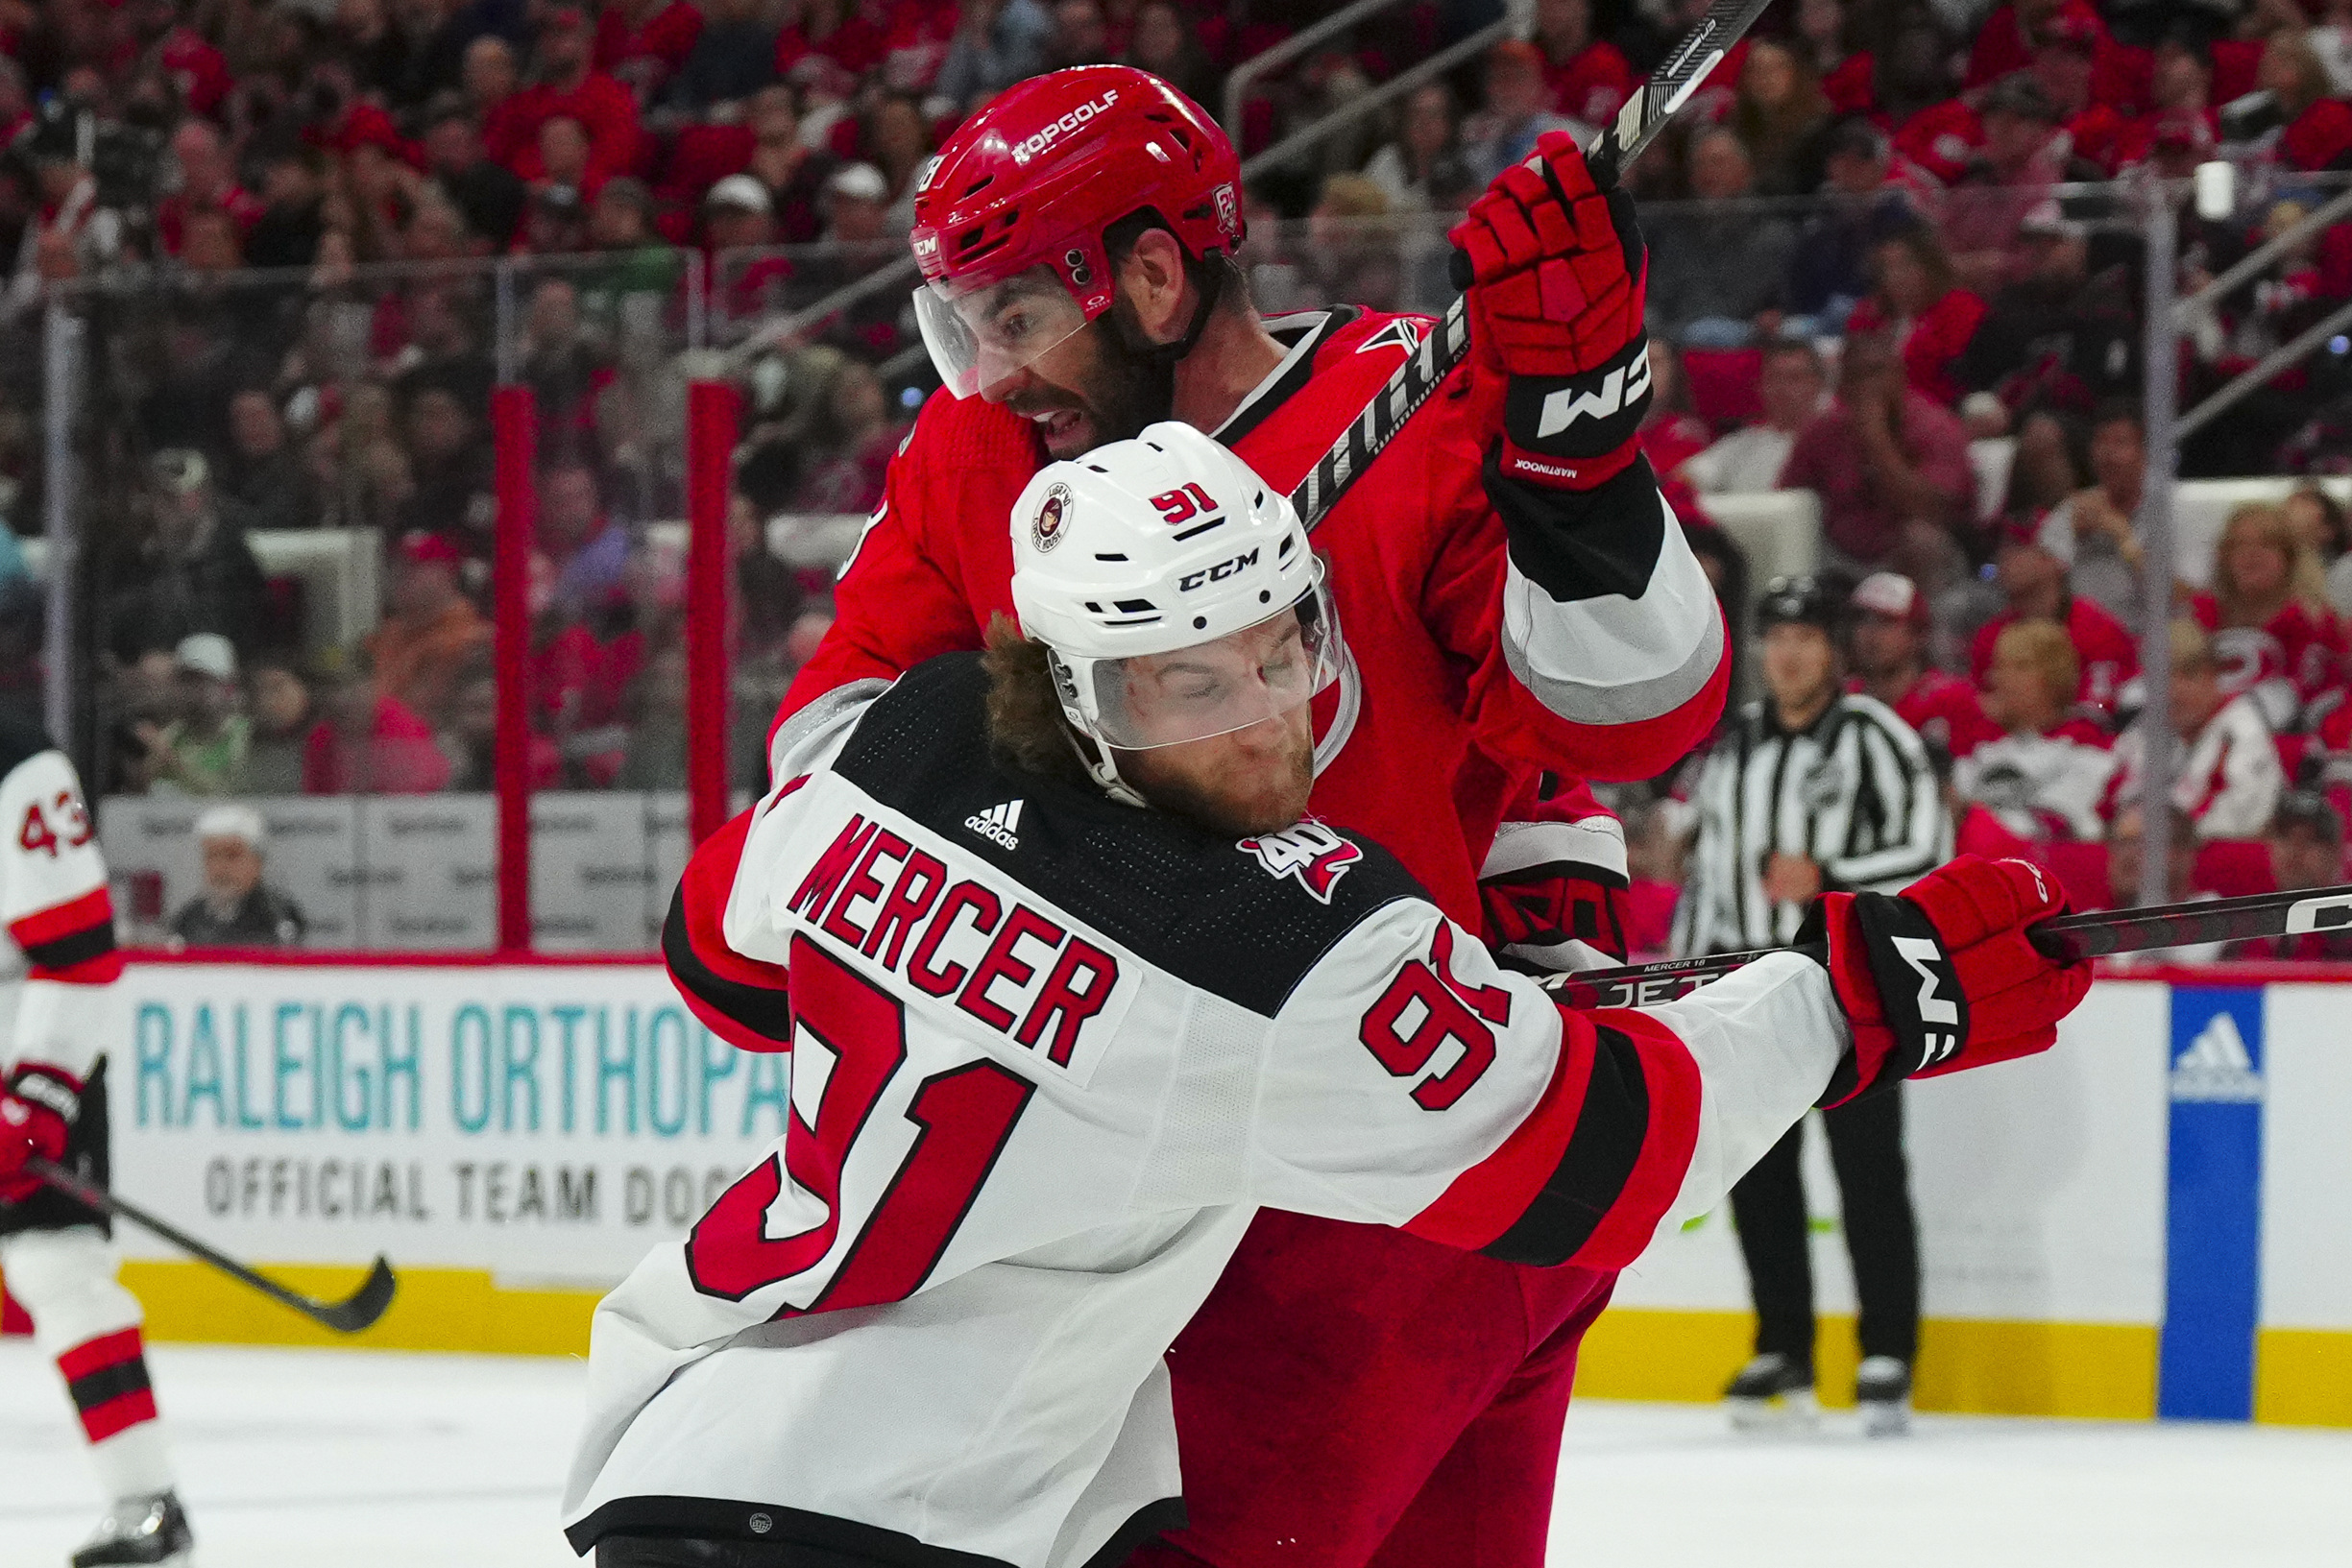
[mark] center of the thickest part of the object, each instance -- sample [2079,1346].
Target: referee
[1814,790]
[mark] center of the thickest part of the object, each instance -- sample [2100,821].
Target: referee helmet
[1804,601]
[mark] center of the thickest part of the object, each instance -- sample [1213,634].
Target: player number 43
[36,836]
[962,1118]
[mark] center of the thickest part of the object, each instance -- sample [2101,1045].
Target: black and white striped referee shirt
[1853,793]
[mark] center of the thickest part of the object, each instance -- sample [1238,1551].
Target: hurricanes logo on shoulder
[2217,1065]
[1404,332]
[1308,851]
[1045,530]
[998,824]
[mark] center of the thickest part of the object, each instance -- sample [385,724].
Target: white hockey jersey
[1049,1053]
[58,953]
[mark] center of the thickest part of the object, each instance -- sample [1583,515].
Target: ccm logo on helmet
[1217,573]
[1030,146]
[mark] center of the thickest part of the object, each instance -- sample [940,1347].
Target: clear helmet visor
[979,334]
[1262,671]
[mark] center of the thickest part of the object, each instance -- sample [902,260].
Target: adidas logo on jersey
[1000,824]
[2217,1065]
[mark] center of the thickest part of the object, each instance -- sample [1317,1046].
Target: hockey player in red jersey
[1073,987]
[1518,598]
[57,963]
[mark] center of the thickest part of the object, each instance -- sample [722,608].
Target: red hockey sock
[107,1379]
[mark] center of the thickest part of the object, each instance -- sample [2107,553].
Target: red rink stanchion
[713,415]
[514,427]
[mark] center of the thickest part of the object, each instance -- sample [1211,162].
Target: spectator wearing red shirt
[2182,113]
[2064,67]
[1588,79]
[199,70]
[1848,73]
[1671,434]
[2033,582]
[366,744]
[1891,625]
[207,182]
[570,87]
[855,34]
[643,43]
[2274,636]
[1921,305]
[489,80]
[1891,467]
[562,155]
[2022,157]
[2006,41]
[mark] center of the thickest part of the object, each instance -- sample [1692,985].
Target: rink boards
[2150,1219]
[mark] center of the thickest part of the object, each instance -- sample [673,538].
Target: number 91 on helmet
[1175,592]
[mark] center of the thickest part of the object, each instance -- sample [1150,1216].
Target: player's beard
[1124,390]
[1275,798]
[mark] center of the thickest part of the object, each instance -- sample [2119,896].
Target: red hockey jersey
[2104,649]
[1576,635]
[1943,709]
[2287,663]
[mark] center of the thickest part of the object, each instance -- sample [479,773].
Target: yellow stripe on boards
[435,1309]
[2303,1377]
[2105,1370]
[2085,1370]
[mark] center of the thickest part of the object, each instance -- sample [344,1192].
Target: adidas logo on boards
[2217,1065]
[1000,824]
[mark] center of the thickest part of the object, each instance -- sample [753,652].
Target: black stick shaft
[347,1316]
[2069,939]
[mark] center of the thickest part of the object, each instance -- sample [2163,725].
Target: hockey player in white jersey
[57,964]
[1073,990]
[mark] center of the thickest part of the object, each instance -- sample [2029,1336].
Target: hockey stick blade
[2068,938]
[354,1313]
[1424,370]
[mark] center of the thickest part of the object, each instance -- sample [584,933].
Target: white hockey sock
[88,1324]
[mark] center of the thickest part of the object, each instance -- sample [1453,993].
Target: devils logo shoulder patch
[1312,853]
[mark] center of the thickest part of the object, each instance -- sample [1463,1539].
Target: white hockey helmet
[1163,544]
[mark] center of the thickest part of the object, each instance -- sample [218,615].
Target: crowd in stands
[1894,262]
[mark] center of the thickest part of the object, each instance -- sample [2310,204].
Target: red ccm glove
[36,1114]
[1942,978]
[1554,273]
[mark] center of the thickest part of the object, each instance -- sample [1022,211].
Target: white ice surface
[292,1458]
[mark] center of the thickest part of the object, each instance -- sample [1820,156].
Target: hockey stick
[2069,939]
[350,1316]
[1620,142]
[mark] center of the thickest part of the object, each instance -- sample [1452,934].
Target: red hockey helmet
[1008,219]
